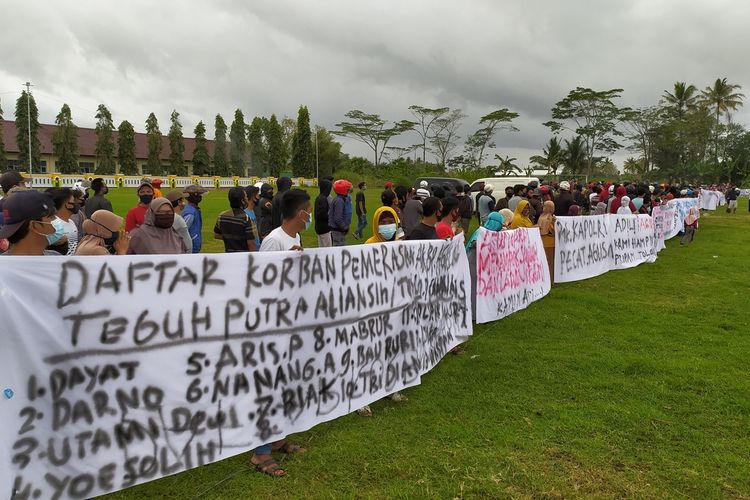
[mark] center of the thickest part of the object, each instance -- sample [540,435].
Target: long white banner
[512,272]
[121,370]
[710,200]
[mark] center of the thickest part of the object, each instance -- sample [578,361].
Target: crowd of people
[72,221]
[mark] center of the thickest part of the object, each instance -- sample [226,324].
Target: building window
[43,167]
[144,169]
[14,164]
[85,167]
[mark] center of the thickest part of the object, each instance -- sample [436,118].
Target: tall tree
[593,116]
[3,156]
[237,144]
[723,97]
[22,131]
[153,138]
[221,161]
[105,144]
[482,139]
[552,157]
[65,142]
[683,98]
[372,130]
[640,125]
[303,160]
[276,152]
[425,118]
[329,152]
[176,146]
[444,136]
[201,160]
[126,149]
[288,130]
[258,151]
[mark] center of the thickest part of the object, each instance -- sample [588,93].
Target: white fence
[168,182]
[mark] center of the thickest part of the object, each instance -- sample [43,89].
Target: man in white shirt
[296,213]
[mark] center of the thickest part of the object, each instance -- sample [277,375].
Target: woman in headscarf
[156,235]
[103,236]
[385,225]
[691,225]
[546,224]
[574,211]
[600,208]
[617,201]
[624,206]
[522,215]
[494,222]
[507,214]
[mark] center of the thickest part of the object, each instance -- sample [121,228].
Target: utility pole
[317,167]
[28,118]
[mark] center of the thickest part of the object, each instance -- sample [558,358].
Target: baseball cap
[145,182]
[23,206]
[174,195]
[11,178]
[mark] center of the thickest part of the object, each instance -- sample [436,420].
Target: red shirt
[136,216]
[443,230]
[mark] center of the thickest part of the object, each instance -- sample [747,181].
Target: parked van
[500,183]
[451,185]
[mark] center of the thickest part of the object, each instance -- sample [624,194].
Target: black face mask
[74,209]
[195,198]
[112,239]
[164,220]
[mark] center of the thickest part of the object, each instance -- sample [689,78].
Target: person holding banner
[546,224]
[495,222]
[522,215]
[624,206]
[156,236]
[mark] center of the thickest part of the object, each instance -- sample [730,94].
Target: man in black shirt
[322,206]
[431,208]
[359,201]
[98,201]
[283,184]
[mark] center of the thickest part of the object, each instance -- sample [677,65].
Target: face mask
[163,221]
[74,209]
[53,238]
[112,239]
[387,230]
[195,198]
[308,221]
[146,198]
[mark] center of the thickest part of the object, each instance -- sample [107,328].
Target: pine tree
[258,151]
[153,137]
[238,144]
[22,131]
[276,154]
[201,160]
[105,145]
[303,161]
[65,142]
[3,157]
[126,149]
[221,164]
[176,146]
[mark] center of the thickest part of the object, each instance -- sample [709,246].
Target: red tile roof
[87,142]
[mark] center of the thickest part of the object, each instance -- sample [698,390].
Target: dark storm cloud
[265,57]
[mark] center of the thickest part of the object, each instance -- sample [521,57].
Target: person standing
[177,199]
[546,224]
[65,205]
[265,211]
[503,202]
[193,216]
[11,179]
[691,225]
[731,197]
[425,230]
[466,208]
[322,208]
[446,228]
[361,210]
[253,197]
[564,200]
[136,215]
[98,201]
[522,215]
[337,219]
[29,223]
[283,184]
[519,193]
[233,226]
[486,204]
[411,214]
[156,236]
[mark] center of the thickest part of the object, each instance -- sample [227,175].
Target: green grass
[634,383]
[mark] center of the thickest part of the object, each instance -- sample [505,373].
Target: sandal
[458,350]
[270,468]
[289,448]
[365,411]
[398,397]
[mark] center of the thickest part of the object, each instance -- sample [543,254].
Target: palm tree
[683,98]
[574,155]
[507,167]
[723,97]
[552,157]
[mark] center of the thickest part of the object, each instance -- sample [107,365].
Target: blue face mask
[53,238]
[387,230]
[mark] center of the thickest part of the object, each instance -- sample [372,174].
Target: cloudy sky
[203,58]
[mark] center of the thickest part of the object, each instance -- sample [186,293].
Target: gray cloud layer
[271,56]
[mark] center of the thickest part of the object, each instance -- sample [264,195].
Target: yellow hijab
[520,220]
[376,236]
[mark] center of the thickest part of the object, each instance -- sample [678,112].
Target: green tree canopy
[258,150]
[683,98]
[330,158]
[372,130]
[22,131]
[425,119]
[444,136]
[722,96]
[126,148]
[552,157]
[105,144]
[201,160]
[303,160]
[65,142]
[153,138]
[238,144]
[276,151]
[221,161]
[176,146]
[482,139]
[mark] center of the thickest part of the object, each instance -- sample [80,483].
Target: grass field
[635,383]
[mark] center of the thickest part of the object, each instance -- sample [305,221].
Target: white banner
[664,224]
[121,370]
[681,208]
[583,247]
[512,272]
[633,240]
[709,200]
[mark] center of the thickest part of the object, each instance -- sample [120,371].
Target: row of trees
[264,146]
